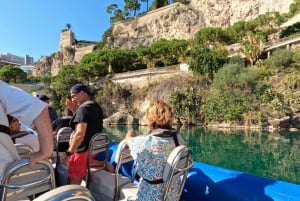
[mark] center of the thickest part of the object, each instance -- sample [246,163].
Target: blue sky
[33,27]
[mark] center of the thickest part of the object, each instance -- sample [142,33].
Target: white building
[11,58]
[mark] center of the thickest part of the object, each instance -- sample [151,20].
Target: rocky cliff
[180,21]
[183,21]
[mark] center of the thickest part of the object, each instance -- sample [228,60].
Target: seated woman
[22,136]
[151,151]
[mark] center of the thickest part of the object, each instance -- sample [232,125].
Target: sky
[33,27]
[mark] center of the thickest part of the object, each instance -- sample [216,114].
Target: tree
[268,23]
[68,26]
[147,2]
[232,94]
[186,104]
[62,83]
[237,31]
[94,65]
[158,4]
[233,76]
[290,30]
[252,46]
[205,61]
[132,6]
[8,73]
[145,55]
[169,49]
[210,36]
[280,59]
[111,8]
[117,14]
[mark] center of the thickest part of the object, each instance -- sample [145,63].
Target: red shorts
[78,165]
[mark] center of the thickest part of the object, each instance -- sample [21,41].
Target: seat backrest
[98,144]
[23,149]
[20,181]
[122,157]
[63,138]
[175,172]
[62,141]
[67,192]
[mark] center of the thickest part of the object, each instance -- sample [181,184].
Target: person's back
[151,151]
[51,110]
[31,111]
[52,113]
[64,121]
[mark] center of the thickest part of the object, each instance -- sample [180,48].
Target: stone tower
[66,39]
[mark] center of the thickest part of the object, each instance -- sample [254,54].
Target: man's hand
[65,160]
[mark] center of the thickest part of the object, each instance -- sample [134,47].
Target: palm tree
[68,26]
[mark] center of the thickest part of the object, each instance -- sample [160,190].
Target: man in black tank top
[87,120]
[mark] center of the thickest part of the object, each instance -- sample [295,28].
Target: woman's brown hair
[159,115]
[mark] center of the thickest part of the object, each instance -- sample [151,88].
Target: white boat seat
[105,185]
[178,164]
[23,149]
[62,140]
[67,192]
[128,190]
[98,144]
[20,181]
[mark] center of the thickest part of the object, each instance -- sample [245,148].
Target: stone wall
[80,52]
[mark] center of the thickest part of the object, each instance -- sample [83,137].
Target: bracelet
[68,153]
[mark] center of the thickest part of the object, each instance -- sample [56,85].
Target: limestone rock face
[42,66]
[120,118]
[183,21]
[223,13]
[176,21]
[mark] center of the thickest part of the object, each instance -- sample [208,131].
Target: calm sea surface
[274,155]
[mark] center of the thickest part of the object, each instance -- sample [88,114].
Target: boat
[211,183]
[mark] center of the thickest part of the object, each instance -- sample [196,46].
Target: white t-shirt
[23,106]
[31,140]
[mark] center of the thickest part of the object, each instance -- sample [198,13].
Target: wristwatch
[69,153]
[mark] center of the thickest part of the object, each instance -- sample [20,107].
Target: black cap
[80,87]
[44,98]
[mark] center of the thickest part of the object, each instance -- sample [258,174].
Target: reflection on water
[275,155]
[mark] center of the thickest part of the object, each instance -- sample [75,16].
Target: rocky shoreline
[123,117]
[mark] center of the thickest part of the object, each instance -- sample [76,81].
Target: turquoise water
[274,155]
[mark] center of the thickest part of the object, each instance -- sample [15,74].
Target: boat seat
[98,144]
[61,145]
[21,181]
[67,192]
[175,172]
[105,185]
[23,149]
